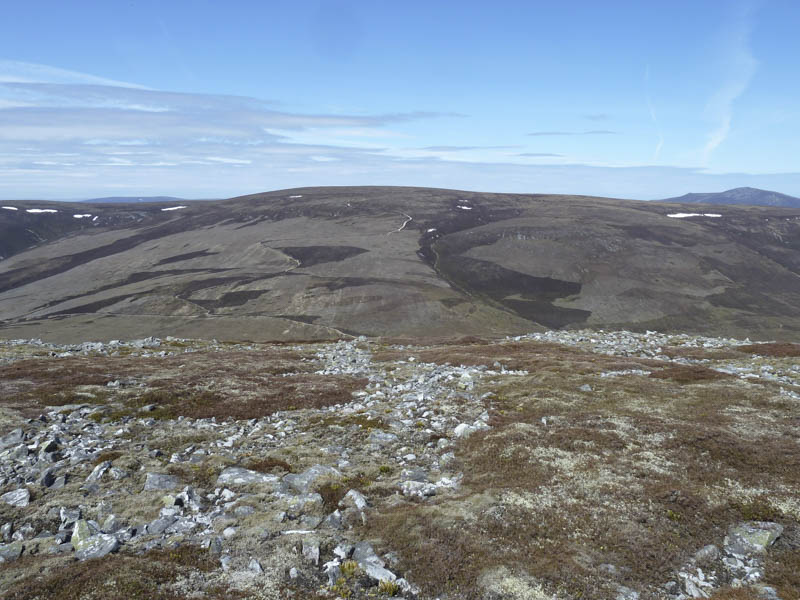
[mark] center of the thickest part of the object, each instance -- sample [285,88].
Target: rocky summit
[553,465]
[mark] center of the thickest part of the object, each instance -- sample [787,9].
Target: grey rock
[117,473]
[381,438]
[112,524]
[62,536]
[311,551]
[68,517]
[160,481]
[12,438]
[47,478]
[5,531]
[255,566]
[225,562]
[363,552]
[302,483]
[753,537]
[19,498]
[418,489]
[766,592]
[243,511]
[333,520]
[11,552]
[159,526]
[332,570]
[60,548]
[344,550]
[625,593]
[97,546]
[25,532]
[98,472]
[20,452]
[707,554]
[355,499]
[80,534]
[463,430]
[238,475]
[215,546]
[585,388]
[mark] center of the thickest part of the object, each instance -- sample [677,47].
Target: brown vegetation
[774,349]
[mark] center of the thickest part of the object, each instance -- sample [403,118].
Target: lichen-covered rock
[97,546]
[753,537]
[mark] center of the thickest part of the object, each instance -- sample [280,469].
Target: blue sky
[200,99]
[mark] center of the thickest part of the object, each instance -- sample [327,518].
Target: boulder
[753,537]
[97,546]
[11,552]
[18,498]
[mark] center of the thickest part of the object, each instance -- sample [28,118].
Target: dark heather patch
[317,255]
[187,256]
[484,278]
[231,299]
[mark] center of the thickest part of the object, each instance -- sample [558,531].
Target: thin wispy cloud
[540,155]
[738,68]
[557,133]
[465,148]
[24,72]
[47,114]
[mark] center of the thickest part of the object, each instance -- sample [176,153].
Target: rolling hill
[316,263]
[742,195]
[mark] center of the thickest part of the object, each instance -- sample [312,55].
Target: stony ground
[559,465]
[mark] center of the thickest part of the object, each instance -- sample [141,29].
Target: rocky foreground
[556,465]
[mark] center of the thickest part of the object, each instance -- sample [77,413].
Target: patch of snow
[684,215]
[431,230]
[81,216]
[172,208]
[464,207]
[94,219]
[297,196]
[41,210]
[10,207]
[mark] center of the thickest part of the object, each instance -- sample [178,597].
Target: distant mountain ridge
[133,199]
[742,196]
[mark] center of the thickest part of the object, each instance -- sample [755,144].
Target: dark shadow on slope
[187,256]
[535,295]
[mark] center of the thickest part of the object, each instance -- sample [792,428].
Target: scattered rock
[240,476]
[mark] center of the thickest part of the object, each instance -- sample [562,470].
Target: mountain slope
[315,263]
[742,195]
